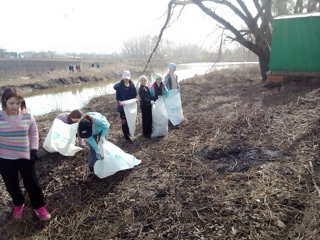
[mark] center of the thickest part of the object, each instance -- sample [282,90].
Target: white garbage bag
[130,109]
[115,159]
[62,138]
[159,118]
[174,107]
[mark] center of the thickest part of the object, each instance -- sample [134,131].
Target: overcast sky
[99,26]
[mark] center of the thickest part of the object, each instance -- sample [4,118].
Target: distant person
[71,69]
[171,79]
[98,65]
[78,68]
[125,90]
[19,142]
[94,127]
[70,118]
[146,101]
[92,65]
[158,88]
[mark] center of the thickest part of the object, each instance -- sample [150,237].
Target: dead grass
[243,165]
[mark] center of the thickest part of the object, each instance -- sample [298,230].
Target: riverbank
[244,164]
[43,79]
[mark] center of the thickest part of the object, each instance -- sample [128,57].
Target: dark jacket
[145,96]
[121,93]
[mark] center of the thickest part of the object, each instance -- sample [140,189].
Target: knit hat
[85,128]
[171,65]
[143,77]
[157,75]
[126,74]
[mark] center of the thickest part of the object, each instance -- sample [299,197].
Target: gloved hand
[99,156]
[34,155]
[152,102]
[120,103]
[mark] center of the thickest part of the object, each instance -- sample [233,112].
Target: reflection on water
[74,97]
[66,98]
[188,70]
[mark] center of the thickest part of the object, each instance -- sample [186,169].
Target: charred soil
[244,164]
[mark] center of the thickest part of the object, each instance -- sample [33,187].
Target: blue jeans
[92,152]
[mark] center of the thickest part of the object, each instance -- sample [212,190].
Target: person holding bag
[158,88]
[125,90]
[19,142]
[146,102]
[70,118]
[94,127]
[171,79]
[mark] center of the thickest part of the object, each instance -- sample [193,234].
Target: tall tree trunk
[264,67]
[298,8]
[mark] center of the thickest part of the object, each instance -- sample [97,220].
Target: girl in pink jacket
[19,142]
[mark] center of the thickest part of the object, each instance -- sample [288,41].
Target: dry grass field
[244,164]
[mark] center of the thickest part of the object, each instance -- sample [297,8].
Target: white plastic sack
[174,107]
[130,109]
[159,118]
[62,138]
[115,159]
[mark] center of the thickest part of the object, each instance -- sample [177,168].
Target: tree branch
[229,5]
[245,9]
[161,32]
[238,36]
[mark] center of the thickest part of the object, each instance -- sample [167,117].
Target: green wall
[296,43]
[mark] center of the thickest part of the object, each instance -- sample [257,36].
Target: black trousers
[10,169]
[146,111]
[125,127]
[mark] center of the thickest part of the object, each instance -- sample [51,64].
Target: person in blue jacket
[125,90]
[94,127]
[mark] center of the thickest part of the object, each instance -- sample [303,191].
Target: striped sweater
[18,136]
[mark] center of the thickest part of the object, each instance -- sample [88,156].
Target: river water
[68,98]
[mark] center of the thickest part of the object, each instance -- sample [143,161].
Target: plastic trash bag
[174,107]
[130,109]
[114,160]
[62,138]
[159,118]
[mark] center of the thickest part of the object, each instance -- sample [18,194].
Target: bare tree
[139,47]
[43,54]
[256,16]
[2,52]
[51,53]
